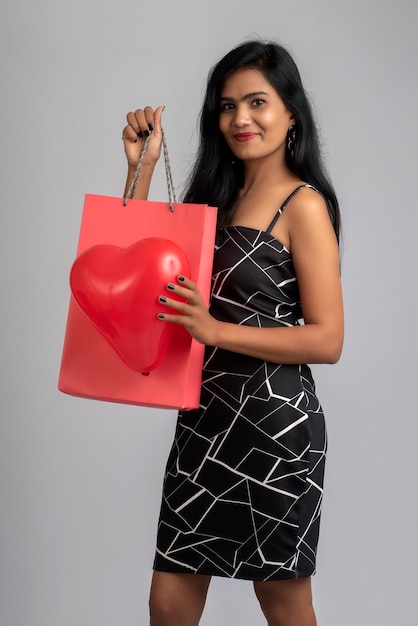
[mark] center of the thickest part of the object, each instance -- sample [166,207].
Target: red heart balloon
[118,289]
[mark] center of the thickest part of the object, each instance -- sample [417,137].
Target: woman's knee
[164,611]
[287,601]
[177,599]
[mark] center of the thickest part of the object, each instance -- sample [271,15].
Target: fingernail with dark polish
[170,286]
[140,135]
[146,133]
[162,299]
[181,279]
[160,316]
[150,126]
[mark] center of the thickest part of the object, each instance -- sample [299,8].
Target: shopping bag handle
[170,186]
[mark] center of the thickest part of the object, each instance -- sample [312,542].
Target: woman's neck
[261,173]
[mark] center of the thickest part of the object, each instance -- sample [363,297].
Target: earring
[291,140]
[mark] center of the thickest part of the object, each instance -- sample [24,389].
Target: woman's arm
[316,260]
[141,123]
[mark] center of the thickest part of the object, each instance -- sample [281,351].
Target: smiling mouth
[244,136]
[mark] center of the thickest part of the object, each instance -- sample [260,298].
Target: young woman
[243,486]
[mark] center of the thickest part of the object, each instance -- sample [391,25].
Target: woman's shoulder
[306,198]
[307,212]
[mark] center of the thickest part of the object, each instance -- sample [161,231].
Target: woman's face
[253,119]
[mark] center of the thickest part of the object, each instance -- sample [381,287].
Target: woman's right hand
[141,123]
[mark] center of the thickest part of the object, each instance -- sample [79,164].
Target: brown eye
[228,106]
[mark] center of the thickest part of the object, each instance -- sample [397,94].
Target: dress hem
[251,577]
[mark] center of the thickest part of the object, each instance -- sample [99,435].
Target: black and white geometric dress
[243,485]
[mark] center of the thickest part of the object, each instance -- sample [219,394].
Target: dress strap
[285,203]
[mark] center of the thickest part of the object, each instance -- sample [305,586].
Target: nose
[242,116]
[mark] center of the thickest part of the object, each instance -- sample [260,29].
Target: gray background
[80,480]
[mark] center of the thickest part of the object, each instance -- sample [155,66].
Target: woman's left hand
[192,314]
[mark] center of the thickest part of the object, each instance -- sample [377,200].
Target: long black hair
[217,175]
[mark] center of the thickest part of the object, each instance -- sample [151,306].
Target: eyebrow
[246,97]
